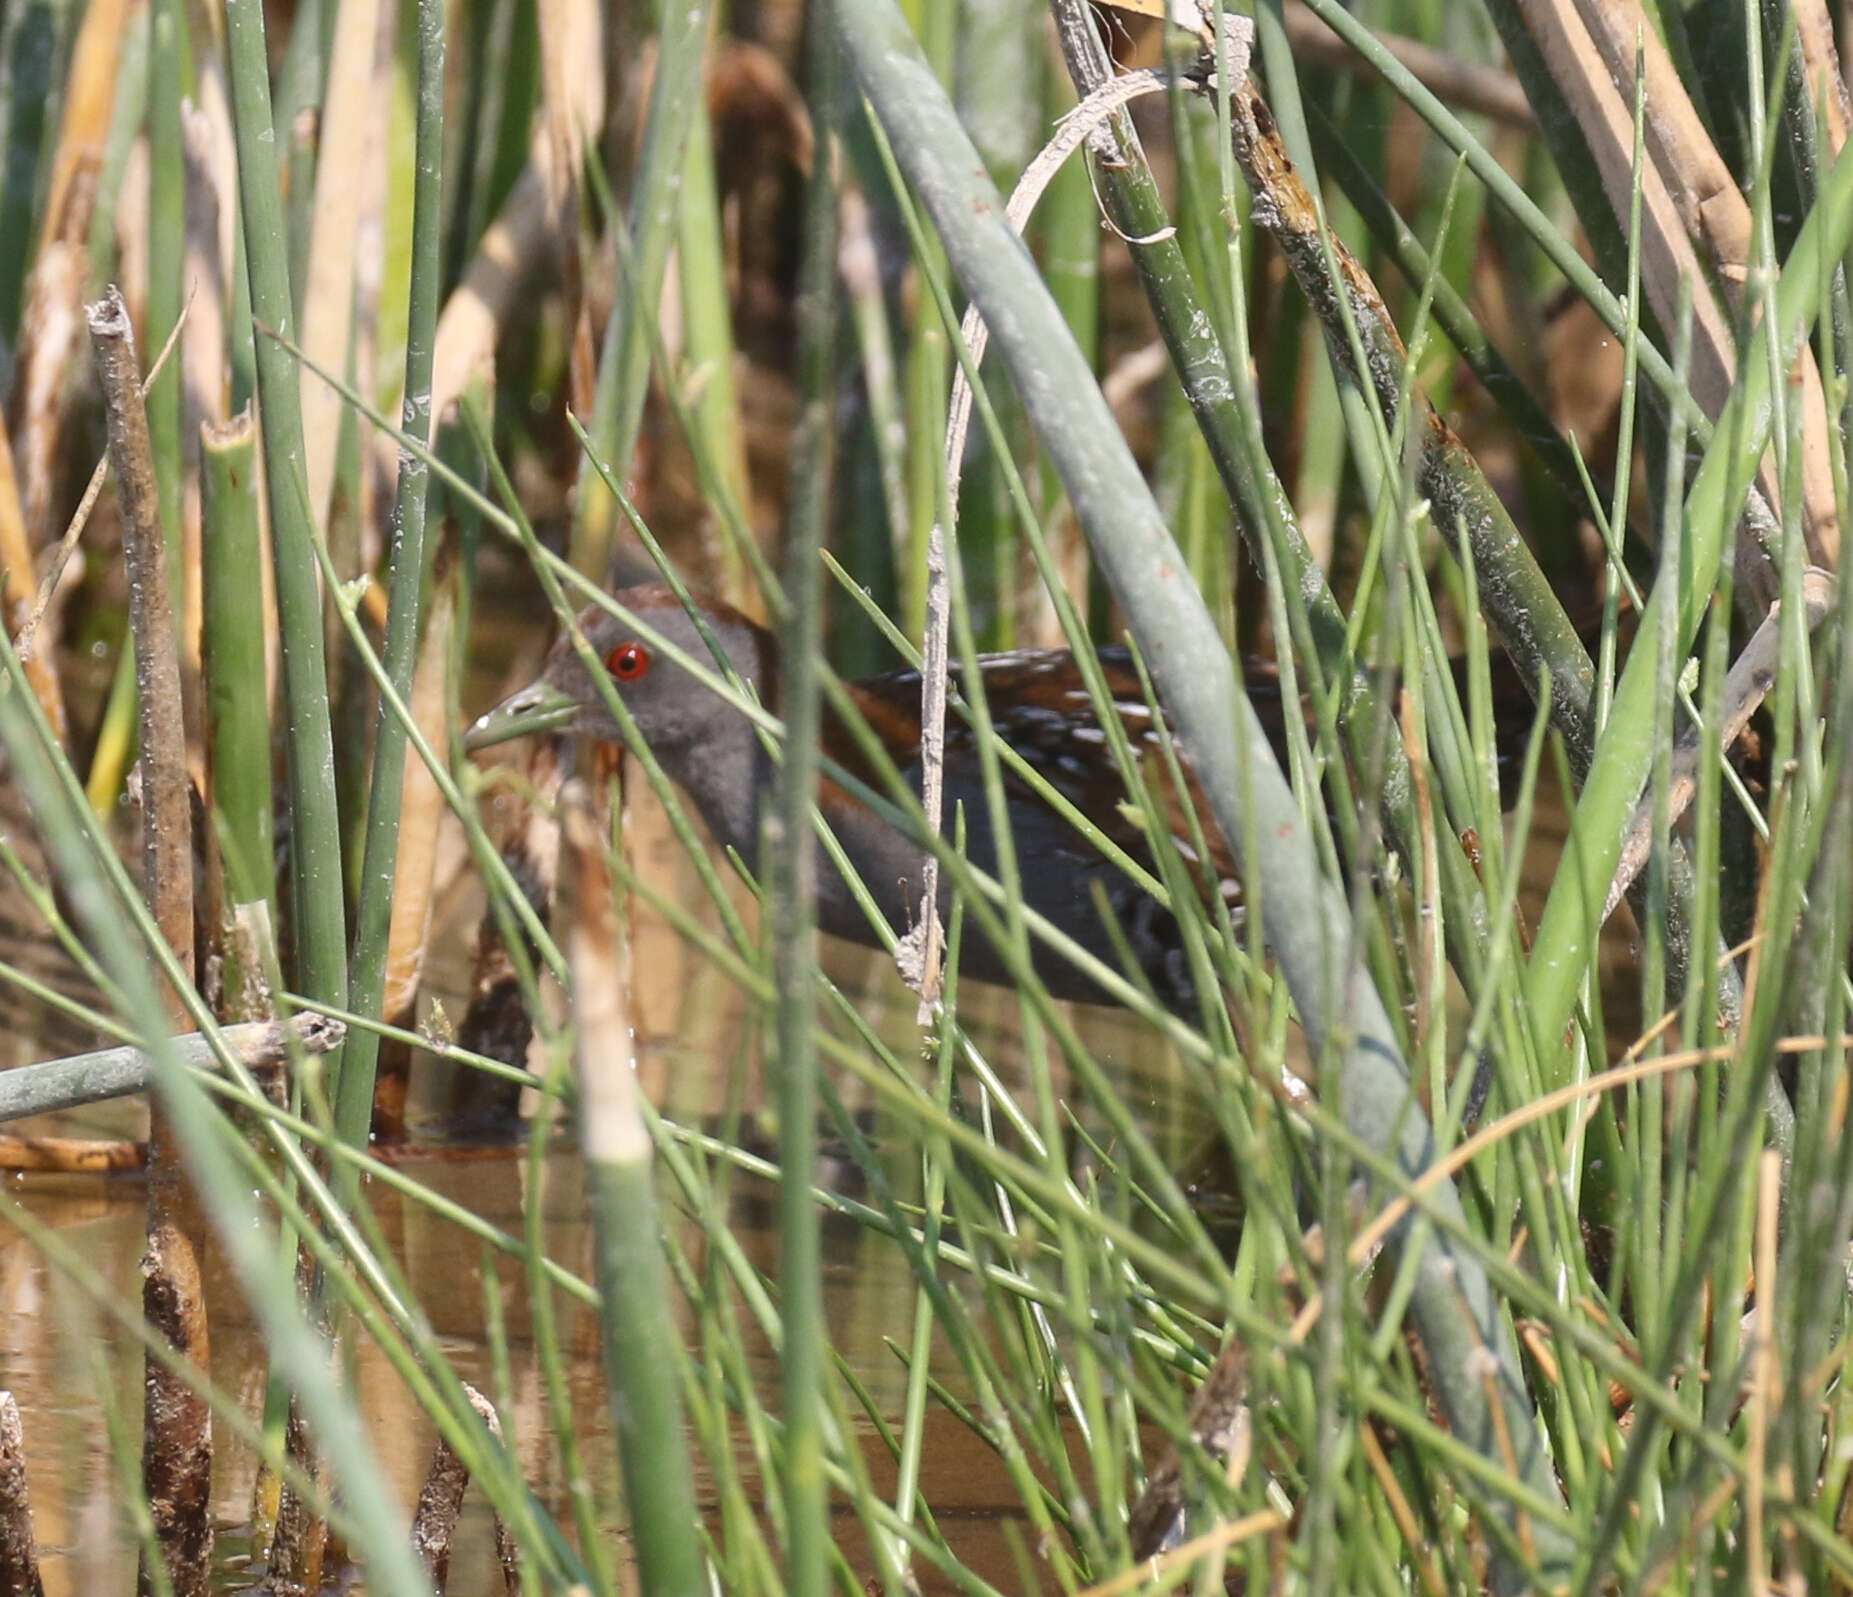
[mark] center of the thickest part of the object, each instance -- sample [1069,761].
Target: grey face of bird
[675,709]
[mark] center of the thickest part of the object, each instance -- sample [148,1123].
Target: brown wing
[1040,705]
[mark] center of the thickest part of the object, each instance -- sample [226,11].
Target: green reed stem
[167,223]
[677,96]
[792,857]
[232,644]
[644,1358]
[373,918]
[315,855]
[708,346]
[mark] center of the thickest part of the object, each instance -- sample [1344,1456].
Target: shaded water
[68,1369]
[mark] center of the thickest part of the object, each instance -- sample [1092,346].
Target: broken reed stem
[54,1085]
[298,1536]
[176,1422]
[642,1346]
[1219,1423]
[167,828]
[176,1418]
[19,1553]
[440,1506]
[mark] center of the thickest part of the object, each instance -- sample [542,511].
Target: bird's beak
[539,707]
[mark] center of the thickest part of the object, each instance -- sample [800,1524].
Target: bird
[1039,704]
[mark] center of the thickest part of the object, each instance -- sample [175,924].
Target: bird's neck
[729,775]
[726,775]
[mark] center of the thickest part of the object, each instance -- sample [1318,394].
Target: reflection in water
[55,1349]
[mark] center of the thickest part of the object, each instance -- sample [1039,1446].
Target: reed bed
[1485,1229]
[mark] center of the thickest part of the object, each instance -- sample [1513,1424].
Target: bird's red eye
[628,661]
